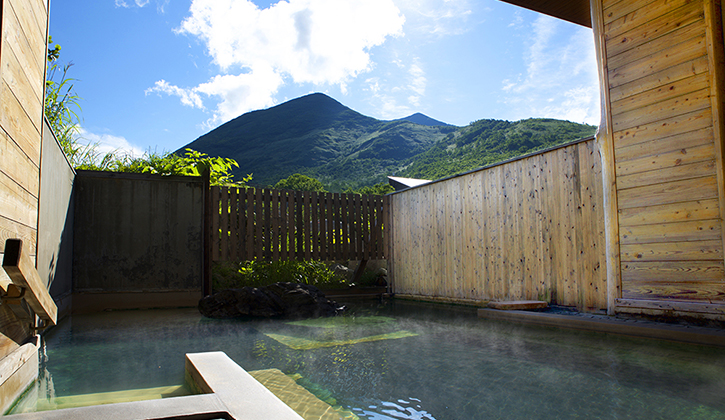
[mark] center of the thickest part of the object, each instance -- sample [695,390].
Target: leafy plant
[191,163]
[230,275]
[381,188]
[299,182]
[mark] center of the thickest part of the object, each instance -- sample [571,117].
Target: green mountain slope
[317,136]
[488,141]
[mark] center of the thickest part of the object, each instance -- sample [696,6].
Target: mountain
[317,136]
[485,142]
[422,119]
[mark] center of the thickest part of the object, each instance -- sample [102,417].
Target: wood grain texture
[675,172]
[678,52]
[695,230]
[668,213]
[658,20]
[660,79]
[677,125]
[696,189]
[673,251]
[529,229]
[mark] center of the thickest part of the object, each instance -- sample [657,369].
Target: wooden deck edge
[668,332]
[440,299]
[707,310]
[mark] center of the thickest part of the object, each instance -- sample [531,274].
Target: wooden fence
[286,225]
[532,228]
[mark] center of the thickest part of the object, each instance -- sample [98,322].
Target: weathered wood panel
[527,229]
[276,224]
[665,116]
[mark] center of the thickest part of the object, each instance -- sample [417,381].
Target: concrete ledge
[18,371]
[679,333]
[229,392]
[84,302]
[244,397]
[192,407]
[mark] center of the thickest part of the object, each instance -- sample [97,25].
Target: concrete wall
[55,222]
[137,241]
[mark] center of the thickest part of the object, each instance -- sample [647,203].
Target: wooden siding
[23,33]
[22,69]
[667,150]
[528,229]
[285,225]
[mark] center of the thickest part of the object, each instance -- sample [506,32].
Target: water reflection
[408,410]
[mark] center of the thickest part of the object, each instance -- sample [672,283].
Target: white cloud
[138,3]
[189,97]
[561,76]
[437,17]
[321,42]
[107,143]
[417,84]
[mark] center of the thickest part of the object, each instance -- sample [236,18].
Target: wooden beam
[605,141]
[22,272]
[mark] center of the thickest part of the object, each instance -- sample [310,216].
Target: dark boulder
[284,300]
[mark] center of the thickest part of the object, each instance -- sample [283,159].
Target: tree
[300,182]
[377,189]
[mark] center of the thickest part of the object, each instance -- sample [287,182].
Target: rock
[343,272]
[284,300]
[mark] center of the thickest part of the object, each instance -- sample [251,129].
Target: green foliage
[61,107]
[486,142]
[231,275]
[381,188]
[299,182]
[192,163]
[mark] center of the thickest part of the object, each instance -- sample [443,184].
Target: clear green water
[423,361]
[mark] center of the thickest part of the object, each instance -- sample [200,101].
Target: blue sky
[157,74]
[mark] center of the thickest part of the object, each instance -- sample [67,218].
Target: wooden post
[604,139]
[207,235]
[22,272]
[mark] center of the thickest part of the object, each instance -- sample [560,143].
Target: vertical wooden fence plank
[346,222]
[307,224]
[233,228]
[266,236]
[337,250]
[315,203]
[224,223]
[291,213]
[299,250]
[241,223]
[366,226]
[249,224]
[258,224]
[214,234]
[274,233]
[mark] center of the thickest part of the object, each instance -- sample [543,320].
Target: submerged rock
[285,300]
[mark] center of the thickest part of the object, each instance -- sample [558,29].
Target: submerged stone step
[518,305]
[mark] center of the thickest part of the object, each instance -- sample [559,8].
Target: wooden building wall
[22,75]
[23,30]
[661,140]
[528,229]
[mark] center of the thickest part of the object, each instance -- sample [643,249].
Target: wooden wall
[661,64]
[22,74]
[528,229]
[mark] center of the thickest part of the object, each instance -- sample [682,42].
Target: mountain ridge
[316,135]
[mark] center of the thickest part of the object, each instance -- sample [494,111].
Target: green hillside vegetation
[485,142]
[319,137]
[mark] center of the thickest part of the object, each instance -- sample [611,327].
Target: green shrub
[232,275]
